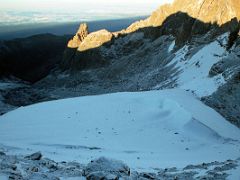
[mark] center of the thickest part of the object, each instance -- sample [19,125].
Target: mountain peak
[207,11]
[79,37]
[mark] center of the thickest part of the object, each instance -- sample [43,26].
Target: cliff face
[79,37]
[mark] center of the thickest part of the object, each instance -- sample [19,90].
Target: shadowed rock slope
[32,58]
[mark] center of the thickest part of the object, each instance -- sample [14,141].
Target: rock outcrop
[82,51]
[83,41]
[79,37]
[35,156]
[95,39]
[104,168]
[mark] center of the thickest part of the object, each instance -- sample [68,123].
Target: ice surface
[143,129]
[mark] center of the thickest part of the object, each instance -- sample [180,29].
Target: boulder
[95,39]
[2,153]
[101,175]
[105,167]
[35,156]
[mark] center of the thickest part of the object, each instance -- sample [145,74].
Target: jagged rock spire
[79,37]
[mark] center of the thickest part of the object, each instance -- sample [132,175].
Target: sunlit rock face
[213,11]
[95,39]
[83,41]
[79,37]
[216,12]
[207,11]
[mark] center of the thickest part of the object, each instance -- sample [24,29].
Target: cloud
[77,5]
[73,10]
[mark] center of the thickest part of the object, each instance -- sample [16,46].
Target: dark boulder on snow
[2,153]
[106,169]
[35,156]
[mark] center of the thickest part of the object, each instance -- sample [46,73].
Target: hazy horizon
[76,5]
[34,11]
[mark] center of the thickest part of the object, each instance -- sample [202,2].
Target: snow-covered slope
[145,129]
[194,67]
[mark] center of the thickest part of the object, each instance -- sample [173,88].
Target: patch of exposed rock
[35,156]
[82,51]
[79,36]
[106,168]
[226,100]
[95,39]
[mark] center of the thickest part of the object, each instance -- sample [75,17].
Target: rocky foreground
[35,166]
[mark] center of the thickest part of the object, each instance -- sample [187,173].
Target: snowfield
[194,70]
[146,130]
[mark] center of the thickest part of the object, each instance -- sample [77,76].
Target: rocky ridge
[207,11]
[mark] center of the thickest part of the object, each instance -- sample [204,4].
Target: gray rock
[111,177]
[95,176]
[101,175]
[2,153]
[110,166]
[35,156]
[148,175]
[34,169]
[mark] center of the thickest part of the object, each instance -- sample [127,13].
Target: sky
[77,5]
[41,11]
